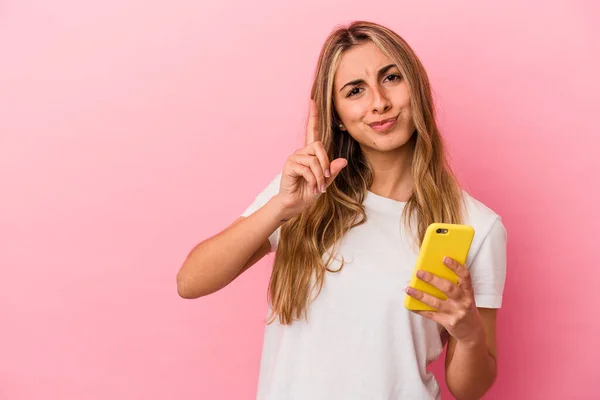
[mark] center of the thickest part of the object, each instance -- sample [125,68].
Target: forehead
[360,62]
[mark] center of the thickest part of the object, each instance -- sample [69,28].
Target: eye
[353,92]
[395,76]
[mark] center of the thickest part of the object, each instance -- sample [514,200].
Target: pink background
[131,130]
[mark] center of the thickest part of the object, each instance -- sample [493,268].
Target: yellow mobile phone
[441,240]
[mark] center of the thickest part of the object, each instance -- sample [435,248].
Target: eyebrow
[382,71]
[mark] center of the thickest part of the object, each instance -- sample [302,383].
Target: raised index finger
[312,133]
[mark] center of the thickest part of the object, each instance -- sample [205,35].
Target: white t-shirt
[360,342]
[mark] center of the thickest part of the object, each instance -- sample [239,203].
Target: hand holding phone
[441,240]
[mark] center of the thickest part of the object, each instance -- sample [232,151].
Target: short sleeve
[488,268]
[260,200]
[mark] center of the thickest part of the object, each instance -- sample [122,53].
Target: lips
[382,122]
[383,125]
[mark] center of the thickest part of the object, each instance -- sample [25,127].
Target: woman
[345,218]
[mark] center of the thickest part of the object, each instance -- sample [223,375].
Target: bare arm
[217,261]
[471,354]
[471,368]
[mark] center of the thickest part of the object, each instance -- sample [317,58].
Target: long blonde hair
[299,267]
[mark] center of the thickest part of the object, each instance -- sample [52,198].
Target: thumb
[336,166]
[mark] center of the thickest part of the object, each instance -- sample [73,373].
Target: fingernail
[421,274]
[315,191]
[409,290]
[446,261]
[323,188]
[327,173]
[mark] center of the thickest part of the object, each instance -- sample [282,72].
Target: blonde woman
[345,218]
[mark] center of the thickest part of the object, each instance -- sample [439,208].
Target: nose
[381,103]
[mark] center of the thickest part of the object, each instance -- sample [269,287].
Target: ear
[338,122]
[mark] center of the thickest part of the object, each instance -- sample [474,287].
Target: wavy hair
[299,267]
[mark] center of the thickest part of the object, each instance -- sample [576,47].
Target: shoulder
[486,222]
[271,187]
[477,212]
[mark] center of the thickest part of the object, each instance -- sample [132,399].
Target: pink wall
[130,130]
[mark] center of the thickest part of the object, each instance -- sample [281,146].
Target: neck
[392,172]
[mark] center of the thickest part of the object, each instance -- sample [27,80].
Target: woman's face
[369,89]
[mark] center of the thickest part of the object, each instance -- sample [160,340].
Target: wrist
[474,341]
[476,338]
[281,213]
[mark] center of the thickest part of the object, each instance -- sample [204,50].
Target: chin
[387,142]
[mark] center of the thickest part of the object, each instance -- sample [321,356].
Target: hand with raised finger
[308,172]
